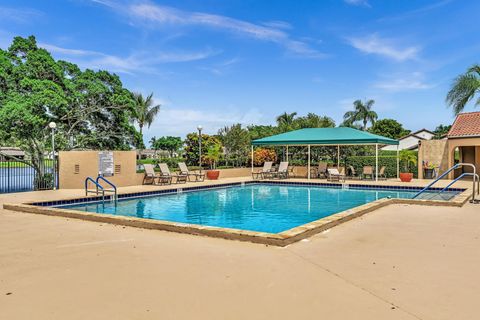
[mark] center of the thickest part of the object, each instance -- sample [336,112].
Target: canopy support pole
[308,168]
[398,162]
[376,162]
[252,160]
[287,153]
[338,157]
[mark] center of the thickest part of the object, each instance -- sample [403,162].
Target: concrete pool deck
[398,262]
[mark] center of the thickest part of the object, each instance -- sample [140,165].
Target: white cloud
[19,15]
[414,81]
[147,12]
[373,44]
[135,62]
[190,118]
[357,3]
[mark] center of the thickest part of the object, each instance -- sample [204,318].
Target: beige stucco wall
[433,151]
[87,162]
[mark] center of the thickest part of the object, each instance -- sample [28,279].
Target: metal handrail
[458,165]
[109,183]
[460,177]
[97,186]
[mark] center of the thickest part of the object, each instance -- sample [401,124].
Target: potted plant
[407,158]
[428,170]
[211,157]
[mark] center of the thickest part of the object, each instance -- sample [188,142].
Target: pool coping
[276,239]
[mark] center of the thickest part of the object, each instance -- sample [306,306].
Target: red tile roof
[465,125]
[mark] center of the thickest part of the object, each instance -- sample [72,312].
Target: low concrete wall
[76,166]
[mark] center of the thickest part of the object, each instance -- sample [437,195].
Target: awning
[324,136]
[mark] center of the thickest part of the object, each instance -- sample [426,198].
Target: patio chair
[335,175]
[150,175]
[320,170]
[282,171]
[179,178]
[199,176]
[353,175]
[264,172]
[367,172]
[381,173]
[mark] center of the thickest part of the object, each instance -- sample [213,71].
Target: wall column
[398,161]
[376,162]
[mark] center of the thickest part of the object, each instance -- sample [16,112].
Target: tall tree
[236,141]
[91,109]
[464,89]
[285,121]
[312,120]
[145,111]
[389,128]
[441,130]
[362,113]
[170,144]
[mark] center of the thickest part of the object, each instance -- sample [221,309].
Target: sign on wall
[105,163]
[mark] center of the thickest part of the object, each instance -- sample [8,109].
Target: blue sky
[217,62]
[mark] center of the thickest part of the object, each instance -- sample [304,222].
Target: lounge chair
[282,171]
[199,176]
[150,175]
[179,178]
[335,175]
[264,172]
[368,172]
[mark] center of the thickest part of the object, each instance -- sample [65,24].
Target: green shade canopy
[324,136]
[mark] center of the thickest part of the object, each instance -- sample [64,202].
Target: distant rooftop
[465,125]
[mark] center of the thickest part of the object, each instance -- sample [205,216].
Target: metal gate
[17,175]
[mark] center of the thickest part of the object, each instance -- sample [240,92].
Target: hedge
[390,163]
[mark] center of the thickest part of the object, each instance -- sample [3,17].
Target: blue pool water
[257,207]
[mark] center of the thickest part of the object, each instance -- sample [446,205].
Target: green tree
[286,121]
[389,128]
[464,89]
[441,131]
[144,112]
[170,144]
[362,113]
[91,109]
[312,120]
[236,141]
[261,131]
[192,147]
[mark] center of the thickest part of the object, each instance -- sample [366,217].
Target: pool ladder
[99,189]
[474,175]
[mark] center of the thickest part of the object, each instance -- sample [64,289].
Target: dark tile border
[94,199]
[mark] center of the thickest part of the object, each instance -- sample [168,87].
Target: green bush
[390,163]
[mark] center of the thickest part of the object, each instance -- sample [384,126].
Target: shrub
[390,163]
[261,155]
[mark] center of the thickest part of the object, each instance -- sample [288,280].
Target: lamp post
[199,127]
[52,125]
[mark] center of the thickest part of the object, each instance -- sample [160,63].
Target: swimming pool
[260,207]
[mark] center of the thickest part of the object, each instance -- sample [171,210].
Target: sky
[216,62]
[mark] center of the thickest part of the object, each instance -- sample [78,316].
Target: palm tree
[464,88]
[363,112]
[286,120]
[144,112]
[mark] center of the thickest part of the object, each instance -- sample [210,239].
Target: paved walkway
[399,262]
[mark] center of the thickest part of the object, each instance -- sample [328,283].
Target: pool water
[257,207]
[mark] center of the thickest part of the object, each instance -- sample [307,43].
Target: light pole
[52,125]
[199,127]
